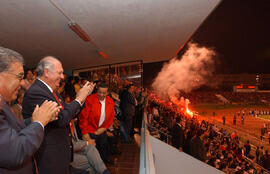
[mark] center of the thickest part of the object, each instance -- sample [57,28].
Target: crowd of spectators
[204,141]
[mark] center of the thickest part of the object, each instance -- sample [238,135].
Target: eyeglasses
[18,76]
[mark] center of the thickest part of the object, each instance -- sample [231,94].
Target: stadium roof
[125,30]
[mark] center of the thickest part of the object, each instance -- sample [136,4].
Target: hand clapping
[45,113]
[86,90]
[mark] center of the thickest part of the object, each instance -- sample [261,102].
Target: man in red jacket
[96,117]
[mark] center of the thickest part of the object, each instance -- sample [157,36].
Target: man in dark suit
[56,152]
[18,143]
[128,105]
[178,135]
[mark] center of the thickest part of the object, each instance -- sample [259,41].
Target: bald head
[46,63]
[50,70]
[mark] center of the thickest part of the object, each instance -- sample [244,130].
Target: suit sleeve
[79,145]
[36,97]
[18,147]
[68,113]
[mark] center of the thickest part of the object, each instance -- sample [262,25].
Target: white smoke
[190,72]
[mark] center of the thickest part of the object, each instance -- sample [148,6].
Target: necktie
[57,99]
[18,119]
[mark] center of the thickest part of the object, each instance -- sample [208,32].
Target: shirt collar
[103,101]
[46,85]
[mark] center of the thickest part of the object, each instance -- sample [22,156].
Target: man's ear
[45,72]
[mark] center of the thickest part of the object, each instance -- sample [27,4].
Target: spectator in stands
[247,148]
[187,141]
[27,82]
[18,143]
[197,148]
[178,135]
[69,87]
[234,119]
[128,105]
[224,119]
[86,156]
[97,82]
[34,74]
[142,103]
[95,118]
[61,89]
[77,84]
[257,153]
[57,145]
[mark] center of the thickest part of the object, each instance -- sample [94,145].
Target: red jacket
[90,115]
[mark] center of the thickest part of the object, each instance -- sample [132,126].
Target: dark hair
[177,119]
[70,78]
[102,85]
[77,79]
[26,71]
[129,86]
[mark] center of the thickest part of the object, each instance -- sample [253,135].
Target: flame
[189,112]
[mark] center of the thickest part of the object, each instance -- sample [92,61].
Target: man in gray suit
[86,156]
[17,142]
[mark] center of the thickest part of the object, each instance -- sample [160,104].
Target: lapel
[11,118]
[108,106]
[49,93]
[60,99]
[45,89]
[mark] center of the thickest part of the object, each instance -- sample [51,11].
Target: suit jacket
[177,136]
[90,115]
[56,152]
[128,104]
[78,145]
[17,143]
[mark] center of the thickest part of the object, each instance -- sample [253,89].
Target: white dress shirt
[103,114]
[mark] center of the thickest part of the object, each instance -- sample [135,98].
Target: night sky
[239,32]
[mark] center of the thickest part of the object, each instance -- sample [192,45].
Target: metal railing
[168,137]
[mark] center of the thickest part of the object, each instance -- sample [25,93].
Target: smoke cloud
[186,74]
